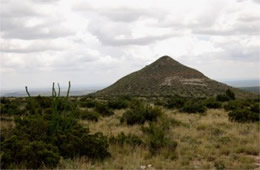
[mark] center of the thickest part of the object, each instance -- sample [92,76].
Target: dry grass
[6,122]
[204,142]
[111,125]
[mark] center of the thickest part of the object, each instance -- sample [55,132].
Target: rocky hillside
[166,77]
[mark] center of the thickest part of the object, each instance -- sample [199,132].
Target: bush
[243,115]
[103,109]
[44,102]
[39,140]
[89,115]
[95,146]
[119,103]
[122,139]
[222,98]
[157,138]
[31,154]
[139,113]
[175,102]
[212,103]
[131,117]
[230,94]
[194,107]
[10,108]
[255,107]
[43,155]
[88,103]
[69,137]
[234,105]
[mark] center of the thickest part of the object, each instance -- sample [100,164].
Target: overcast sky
[96,42]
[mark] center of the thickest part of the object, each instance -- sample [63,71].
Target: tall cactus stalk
[58,90]
[68,92]
[56,100]
[54,117]
[26,89]
[31,103]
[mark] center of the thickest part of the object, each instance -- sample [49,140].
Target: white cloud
[97,42]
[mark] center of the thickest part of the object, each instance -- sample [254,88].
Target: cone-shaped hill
[166,77]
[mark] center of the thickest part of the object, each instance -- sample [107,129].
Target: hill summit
[166,77]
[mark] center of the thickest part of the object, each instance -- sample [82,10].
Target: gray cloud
[130,15]
[32,48]
[112,41]
[99,42]
[16,19]
[120,14]
[245,25]
[11,9]
[257,1]
[31,33]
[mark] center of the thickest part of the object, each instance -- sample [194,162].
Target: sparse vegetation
[122,139]
[118,103]
[103,109]
[212,103]
[89,115]
[158,139]
[39,140]
[139,113]
[64,133]
[229,95]
[194,107]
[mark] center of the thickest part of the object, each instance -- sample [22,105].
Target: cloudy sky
[93,43]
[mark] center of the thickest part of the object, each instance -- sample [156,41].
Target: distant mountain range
[22,93]
[243,83]
[167,77]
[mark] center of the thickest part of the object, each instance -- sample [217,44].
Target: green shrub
[95,146]
[159,102]
[230,94]
[89,115]
[31,154]
[175,102]
[243,110]
[212,103]
[4,100]
[38,154]
[194,107]
[139,113]
[243,115]
[255,107]
[39,140]
[10,108]
[118,103]
[157,138]
[69,137]
[234,105]
[89,103]
[122,139]
[11,149]
[44,102]
[131,117]
[222,98]
[103,109]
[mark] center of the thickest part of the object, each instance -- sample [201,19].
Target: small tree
[230,94]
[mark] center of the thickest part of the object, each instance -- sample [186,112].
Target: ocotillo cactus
[68,92]
[31,103]
[56,100]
